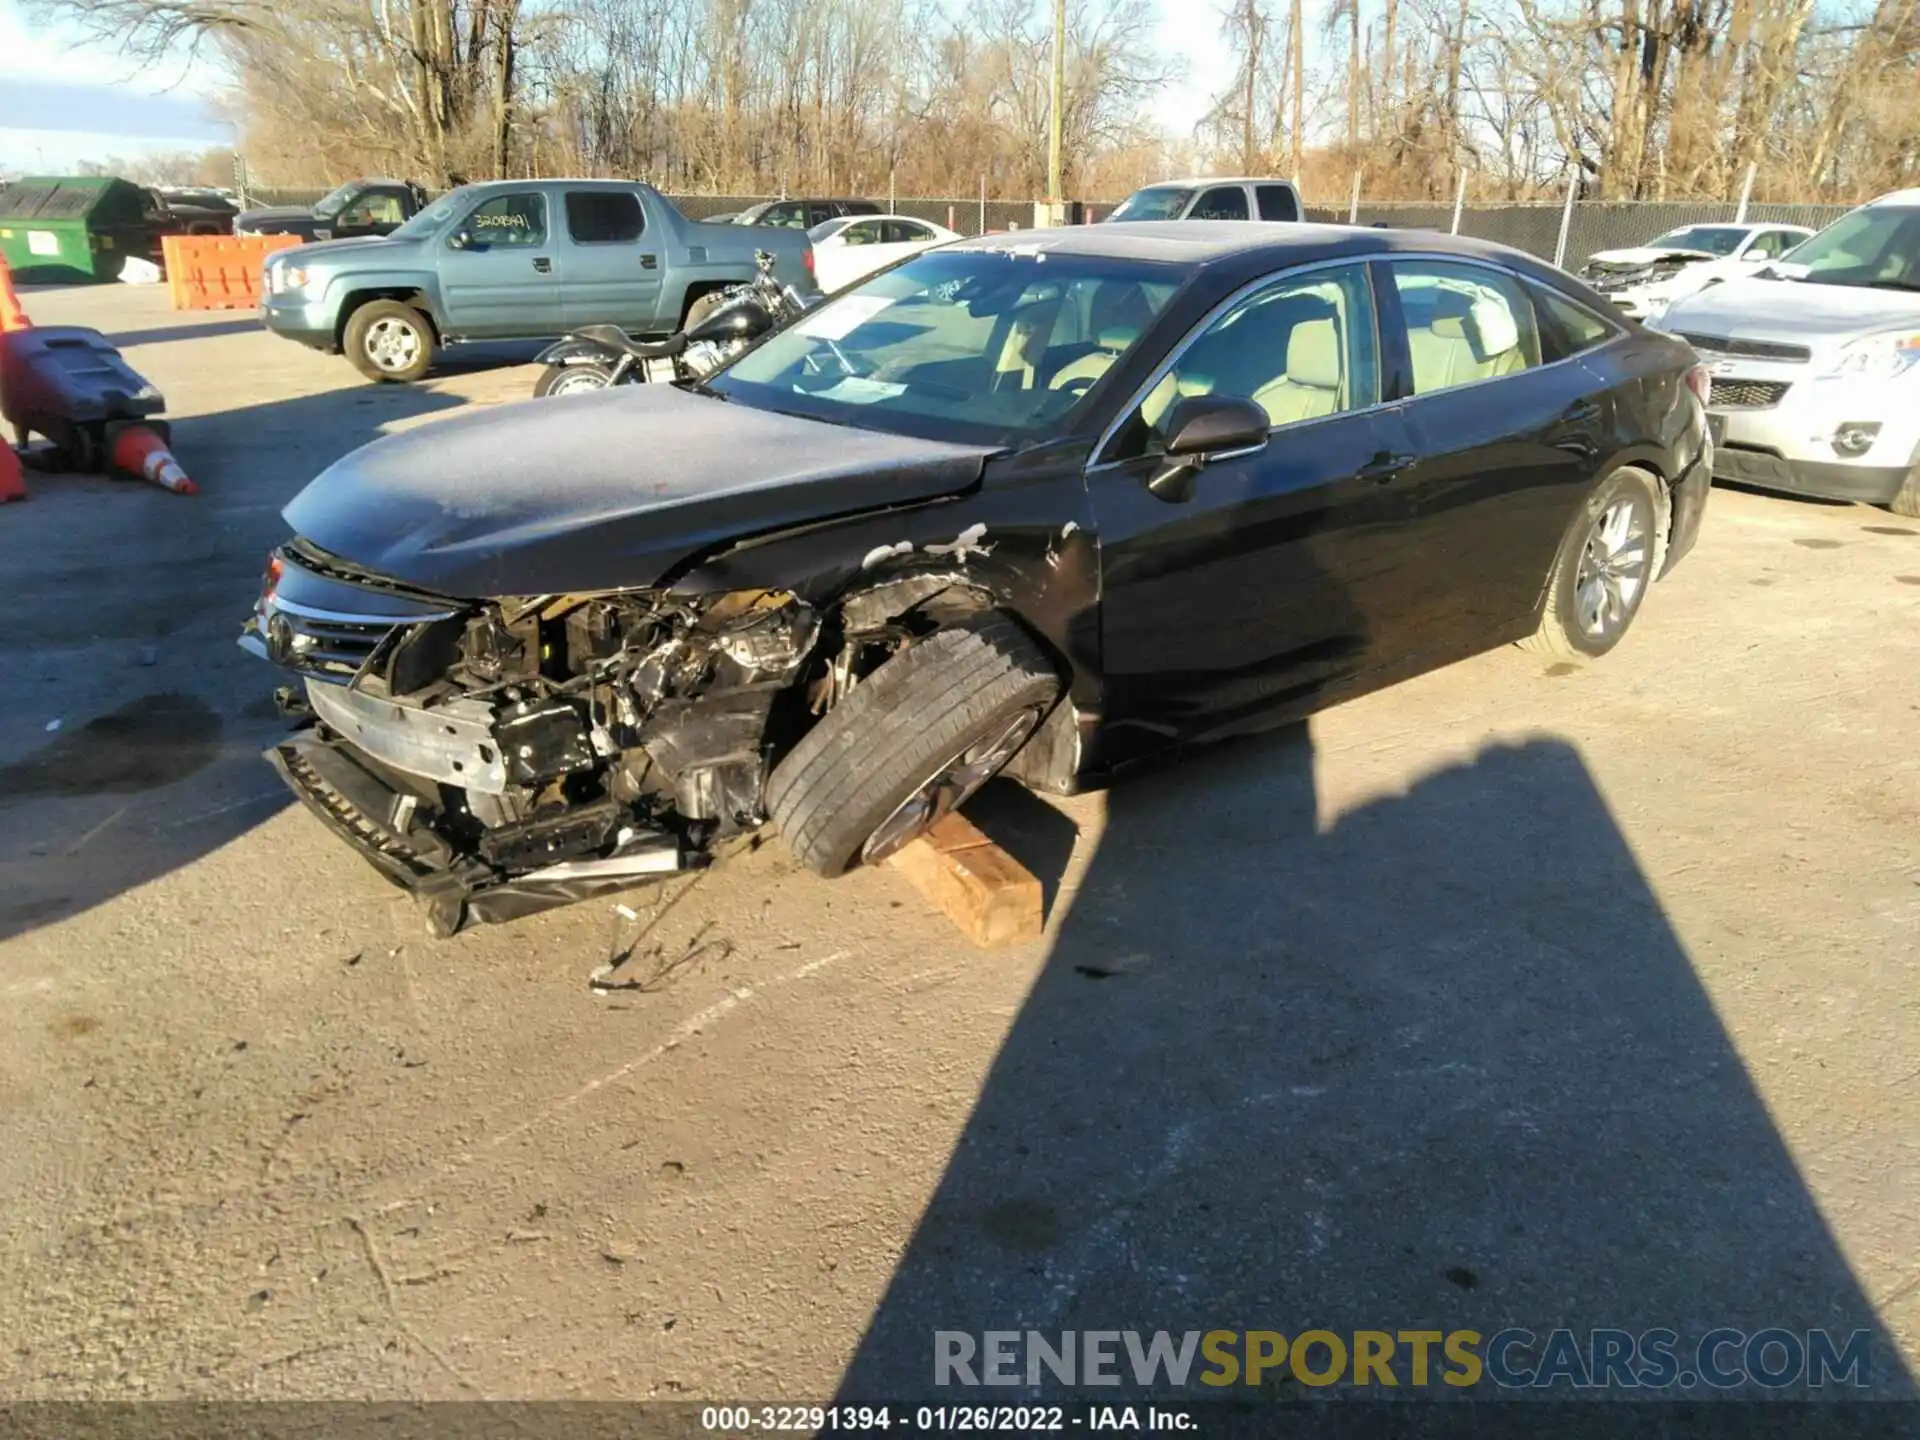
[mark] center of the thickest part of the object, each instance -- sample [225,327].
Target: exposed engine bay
[503,756]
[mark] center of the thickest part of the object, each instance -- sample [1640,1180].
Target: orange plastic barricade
[218,272]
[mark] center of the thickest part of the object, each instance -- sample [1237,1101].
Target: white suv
[1815,362]
[1226,198]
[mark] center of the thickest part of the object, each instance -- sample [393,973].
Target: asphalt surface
[1517,995]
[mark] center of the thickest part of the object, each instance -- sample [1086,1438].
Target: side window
[509,220]
[861,232]
[906,232]
[1464,323]
[604,217]
[1276,202]
[376,209]
[1301,348]
[1566,328]
[793,216]
[1223,202]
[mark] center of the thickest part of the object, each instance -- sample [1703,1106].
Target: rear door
[1508,437]
[611,267]
[500,277]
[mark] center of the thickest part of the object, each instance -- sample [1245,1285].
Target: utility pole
[1059,91]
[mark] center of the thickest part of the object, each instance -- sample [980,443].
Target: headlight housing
[1878,357]
[289,277]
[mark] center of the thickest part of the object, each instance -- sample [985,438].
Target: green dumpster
[70,228]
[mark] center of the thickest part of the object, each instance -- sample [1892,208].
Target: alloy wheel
[1614,568]
[392,344]
[950,786]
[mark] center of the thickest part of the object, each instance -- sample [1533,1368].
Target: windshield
[1157,202]
[334,201]
[1878,247]
[431,218]
[991,347]
[1714,239]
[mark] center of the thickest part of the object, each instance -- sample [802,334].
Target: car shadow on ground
[130,604]
[241,324]
[1438,1062]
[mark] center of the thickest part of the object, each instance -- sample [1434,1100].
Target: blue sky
[104,105]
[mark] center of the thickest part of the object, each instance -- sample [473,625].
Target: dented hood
[604,490]
[1645,255]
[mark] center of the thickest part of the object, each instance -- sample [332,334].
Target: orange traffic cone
[12,317]
[13,485]
[142,453]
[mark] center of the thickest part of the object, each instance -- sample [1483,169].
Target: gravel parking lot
[1512,996]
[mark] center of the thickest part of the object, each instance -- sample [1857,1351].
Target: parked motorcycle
[719,326]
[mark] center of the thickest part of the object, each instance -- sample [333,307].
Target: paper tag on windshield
[857,390]
[842,318]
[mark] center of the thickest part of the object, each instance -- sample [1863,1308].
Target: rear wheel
[911,744]
[1602,571]
[574,379]
[388,340]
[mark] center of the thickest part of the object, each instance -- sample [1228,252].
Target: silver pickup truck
[514,260]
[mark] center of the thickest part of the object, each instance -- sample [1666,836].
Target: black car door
[1507,437]
[1238,606]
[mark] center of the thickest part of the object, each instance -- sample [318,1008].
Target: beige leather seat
[1455,349]
[1120,315]
[1312,386]
[1082,373]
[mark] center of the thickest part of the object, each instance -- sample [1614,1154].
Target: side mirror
[1200,428]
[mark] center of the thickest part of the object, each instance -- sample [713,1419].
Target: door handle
[647,262]
[542,264]
[1383,467]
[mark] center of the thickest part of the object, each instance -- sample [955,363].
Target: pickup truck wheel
[574,379]
[912,742]
[387,340]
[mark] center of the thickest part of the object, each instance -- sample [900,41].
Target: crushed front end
[499,757]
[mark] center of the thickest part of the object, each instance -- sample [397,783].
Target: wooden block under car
[993,898]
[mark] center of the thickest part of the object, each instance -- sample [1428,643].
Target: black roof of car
[1198,242]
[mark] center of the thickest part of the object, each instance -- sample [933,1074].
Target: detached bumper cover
[373,816]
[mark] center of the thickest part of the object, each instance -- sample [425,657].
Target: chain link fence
[968,216]
[1597,224]
[1533,227]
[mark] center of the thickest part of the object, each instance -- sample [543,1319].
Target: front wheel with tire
[388,340]
[911,743]
[574,379]
[1602,570]
[1907,502]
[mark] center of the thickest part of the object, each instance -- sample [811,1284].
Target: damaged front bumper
[378,814]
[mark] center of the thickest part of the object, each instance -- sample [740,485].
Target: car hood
[274,212]
[1645,255]
[1792,311]
[361,246]
[602,491]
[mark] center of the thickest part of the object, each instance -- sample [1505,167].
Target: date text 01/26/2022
[940,1419]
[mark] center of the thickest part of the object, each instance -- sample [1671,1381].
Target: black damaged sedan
[1052,503]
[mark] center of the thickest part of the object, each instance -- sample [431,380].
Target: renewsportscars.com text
[1512,1359]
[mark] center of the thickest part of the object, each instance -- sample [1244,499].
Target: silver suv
[1815,362]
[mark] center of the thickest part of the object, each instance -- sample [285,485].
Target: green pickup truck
[514,260]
